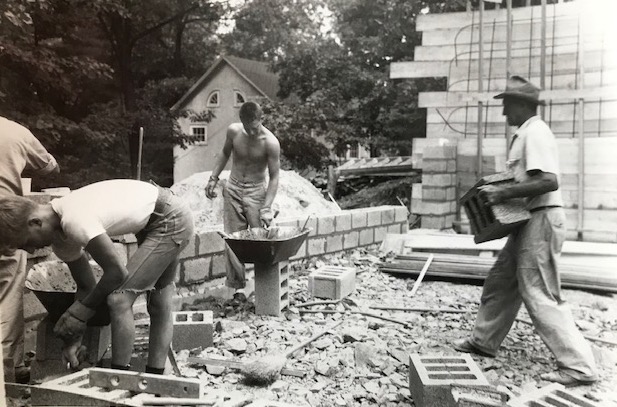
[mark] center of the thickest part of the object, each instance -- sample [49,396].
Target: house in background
[229,83]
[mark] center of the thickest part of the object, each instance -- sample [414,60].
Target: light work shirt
[534,148]
[115,207]
[19,151]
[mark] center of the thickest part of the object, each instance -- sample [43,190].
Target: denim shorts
[160,242]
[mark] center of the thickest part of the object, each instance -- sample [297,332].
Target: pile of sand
[296,196]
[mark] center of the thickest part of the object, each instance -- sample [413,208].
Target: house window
[199,134]
[238,98]
[353,150]
[213,99]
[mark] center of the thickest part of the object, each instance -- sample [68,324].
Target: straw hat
[520,88]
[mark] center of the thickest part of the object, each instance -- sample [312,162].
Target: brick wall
[203,259]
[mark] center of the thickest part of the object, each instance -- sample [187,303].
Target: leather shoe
[466,346]
[560,377]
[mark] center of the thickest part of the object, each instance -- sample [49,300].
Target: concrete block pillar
[271,288]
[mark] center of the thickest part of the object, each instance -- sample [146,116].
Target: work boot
[561,377]
[466,346]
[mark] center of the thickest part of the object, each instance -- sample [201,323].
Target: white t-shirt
[534,148]
[115,207]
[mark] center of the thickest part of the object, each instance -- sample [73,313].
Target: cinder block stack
[271,288]
[437,201]
[192,329]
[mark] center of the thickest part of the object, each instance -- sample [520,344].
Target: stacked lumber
[476,268]
[583,265]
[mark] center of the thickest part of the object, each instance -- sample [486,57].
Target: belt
[541,208]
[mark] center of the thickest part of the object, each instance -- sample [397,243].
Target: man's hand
[72,324]
[210,188]
[266,216]
[73,353]
[492,194]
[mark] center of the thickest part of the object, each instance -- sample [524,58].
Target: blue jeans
[526,272]
[241,204]
[167,233]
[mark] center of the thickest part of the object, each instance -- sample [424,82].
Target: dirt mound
[296,196]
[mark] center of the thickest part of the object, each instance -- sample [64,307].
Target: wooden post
[508,64]
[543,53]
[480,88]
[332,180]
[139,152]
[580,84]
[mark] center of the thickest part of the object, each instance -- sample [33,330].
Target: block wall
[203,260]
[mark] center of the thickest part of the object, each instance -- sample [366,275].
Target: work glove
[73,353]
[72,324]
[210,188]
[266,216]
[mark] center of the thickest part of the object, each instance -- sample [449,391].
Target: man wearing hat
[526,269]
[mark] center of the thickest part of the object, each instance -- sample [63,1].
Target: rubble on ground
[365,361]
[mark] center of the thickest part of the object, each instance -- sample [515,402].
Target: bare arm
[274,166]
[82,274]
[114,272]
[221,161]
[538,183]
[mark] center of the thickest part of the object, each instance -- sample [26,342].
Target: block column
[437,201]
[271,288]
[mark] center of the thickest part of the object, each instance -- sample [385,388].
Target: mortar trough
[52,283]
[266,246]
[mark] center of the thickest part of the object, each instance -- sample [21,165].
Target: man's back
[20,150]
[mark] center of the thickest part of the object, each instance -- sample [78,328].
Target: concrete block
[334,243]
[332,282]
[404,228]
[443,152]
[190,250]
[380,233]
[209,243]
[374,217]
[316,246]
[419,206]
[218,266]
[397,228]
[351,239]
[416,191]
[195,270]
[490,222]
[271,288]
[400,214]
[367,236]
[193,329]
[343,222]
[437,166]
[439,180]
[430,193]
[439,208]
[391,215]
[431,378]
[434,222]
[326,225]
[359,218]
[552,395]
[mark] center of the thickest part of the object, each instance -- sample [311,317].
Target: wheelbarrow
[269,249]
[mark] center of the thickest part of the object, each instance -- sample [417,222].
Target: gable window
[238,98]
[213,99]
[199,134]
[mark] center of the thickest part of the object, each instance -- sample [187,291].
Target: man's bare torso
[250,154]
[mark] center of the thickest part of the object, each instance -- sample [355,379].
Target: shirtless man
[247,200]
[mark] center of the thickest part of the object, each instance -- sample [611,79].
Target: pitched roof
[256,73]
